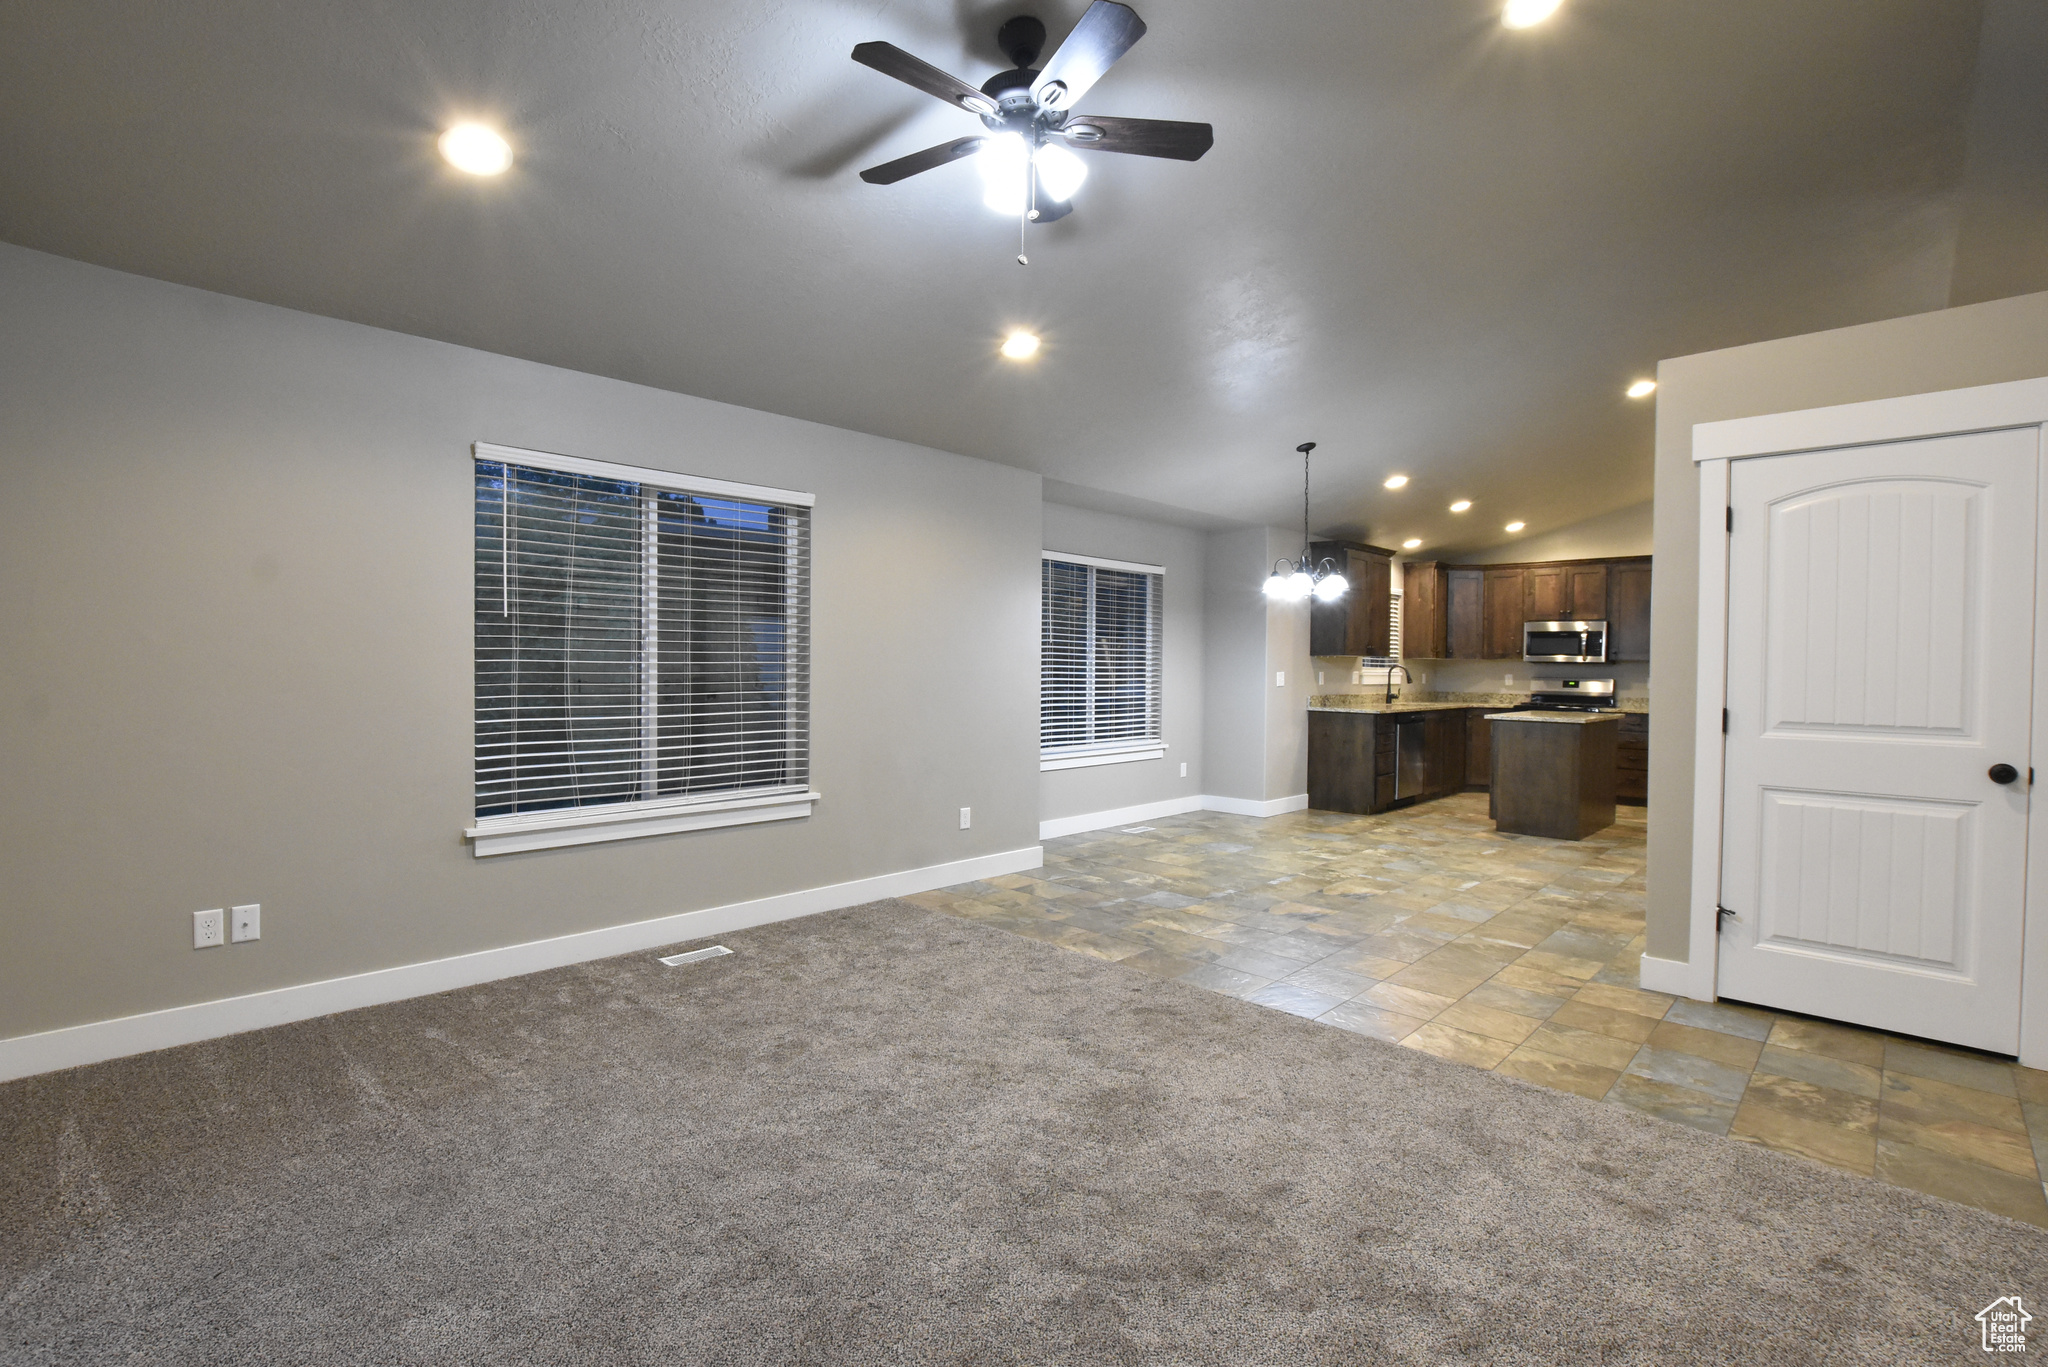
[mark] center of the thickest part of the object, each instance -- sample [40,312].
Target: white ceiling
[1429,243]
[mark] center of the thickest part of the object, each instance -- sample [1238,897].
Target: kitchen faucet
[1405,676]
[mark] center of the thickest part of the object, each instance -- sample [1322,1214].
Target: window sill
[1100,757]
[552,830]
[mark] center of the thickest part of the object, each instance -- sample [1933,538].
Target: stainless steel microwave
[1564,643]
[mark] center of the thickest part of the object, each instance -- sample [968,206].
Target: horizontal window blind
[635,644]
[1099,658]
[1373,668]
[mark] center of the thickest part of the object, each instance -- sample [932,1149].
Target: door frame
[1715,446]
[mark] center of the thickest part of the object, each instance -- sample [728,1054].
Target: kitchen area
[1526,681]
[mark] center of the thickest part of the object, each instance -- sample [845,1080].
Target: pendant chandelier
[1293,581]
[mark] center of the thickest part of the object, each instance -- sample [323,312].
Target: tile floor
[1428,928]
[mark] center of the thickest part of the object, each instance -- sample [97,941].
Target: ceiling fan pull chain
[1030,212]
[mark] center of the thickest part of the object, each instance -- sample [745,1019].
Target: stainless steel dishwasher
[1411,754]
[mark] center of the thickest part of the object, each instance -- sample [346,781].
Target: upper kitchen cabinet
[1465,619]
[1585,598]
[1424,618]
[1476,612]
[1546,596]
[1506,599]
[1628,610]
[1361,622]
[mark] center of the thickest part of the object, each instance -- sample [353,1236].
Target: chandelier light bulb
[1331,587]
[1276,586]
[1299,585]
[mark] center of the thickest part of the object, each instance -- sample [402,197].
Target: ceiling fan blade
[1105,33]
[891,60]
[1140,137]
[889,172]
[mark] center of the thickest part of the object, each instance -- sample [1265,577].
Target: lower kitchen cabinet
[1369,761]
[1632,759]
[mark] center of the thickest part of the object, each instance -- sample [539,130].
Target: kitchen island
[1554,772]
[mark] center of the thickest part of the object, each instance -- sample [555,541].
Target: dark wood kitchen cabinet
[1546,596]
[1505,601]
[1423,614]
[1465,622]
[1632,759]
[1361,622]
[1354,758]
[1476,612]
[1585,598]
[1628,611]
[1478,748]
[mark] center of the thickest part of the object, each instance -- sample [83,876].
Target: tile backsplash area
[1502,682]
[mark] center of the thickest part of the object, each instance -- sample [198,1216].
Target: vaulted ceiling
[1432,244]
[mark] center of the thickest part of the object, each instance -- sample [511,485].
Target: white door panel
[1879,663]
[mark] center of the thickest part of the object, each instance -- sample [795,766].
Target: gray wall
[1255,734]
[1107,787]
[1952,349]
[235,591]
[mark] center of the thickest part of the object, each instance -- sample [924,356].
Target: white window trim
[628,820]
[1119,752]
[1099,563]
[640,474]
[1083,759]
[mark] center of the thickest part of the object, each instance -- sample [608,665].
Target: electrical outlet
[1279,678]
[1183,769]
[207,931]
[966,818]
[245,923]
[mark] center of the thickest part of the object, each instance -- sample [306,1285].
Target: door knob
[2003,773]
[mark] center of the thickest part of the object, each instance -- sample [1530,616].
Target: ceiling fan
[1026,167]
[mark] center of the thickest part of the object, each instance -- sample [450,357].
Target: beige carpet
[885,1135]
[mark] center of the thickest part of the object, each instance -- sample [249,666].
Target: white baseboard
[1173,806]
[1245,806]
[1677,977]
[26,1055]
[1120,816]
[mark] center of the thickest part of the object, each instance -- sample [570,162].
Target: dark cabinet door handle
[2003,773]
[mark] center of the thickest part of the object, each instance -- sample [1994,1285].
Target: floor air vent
[694,955]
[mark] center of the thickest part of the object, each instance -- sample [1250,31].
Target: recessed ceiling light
[1516,526]
[1411,543]
[476,149]
[1642,389]
[1528,13]
[1020,346]
[1396,481]
[1461,505]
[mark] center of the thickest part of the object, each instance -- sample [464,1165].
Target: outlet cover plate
[208,929]
[245,923]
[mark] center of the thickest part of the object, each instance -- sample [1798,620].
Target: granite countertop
[1568,718]
[1399,705]
[1430,702]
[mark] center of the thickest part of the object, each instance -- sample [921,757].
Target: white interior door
[1880,647]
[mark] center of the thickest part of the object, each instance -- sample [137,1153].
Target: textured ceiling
[1429,243]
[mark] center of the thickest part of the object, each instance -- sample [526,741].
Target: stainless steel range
[1570,695]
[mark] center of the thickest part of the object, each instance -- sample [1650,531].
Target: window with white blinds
[1372,669]
[1099,658]
[638,647]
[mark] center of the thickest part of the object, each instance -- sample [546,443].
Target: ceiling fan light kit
[1027,171]
[1292,581]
